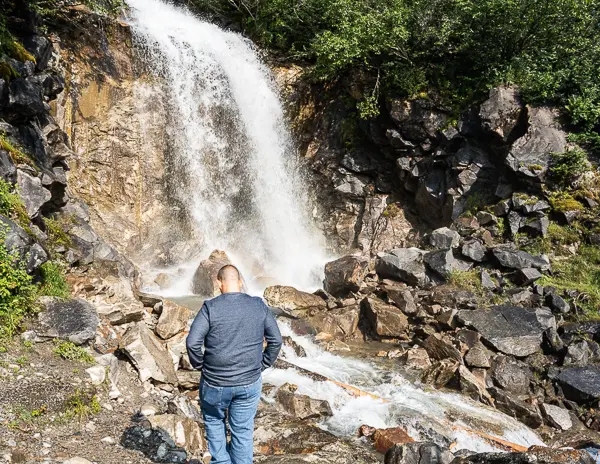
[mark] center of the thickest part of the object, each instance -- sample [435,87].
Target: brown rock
[417,358]
[402,298]
[386,320]
[472,385]
[440,373]
[180,432]
[438,347]
[477,356]
[344,275]
[386,438]
[290,299]
[205,279]
[173,319]
[342,322]
[301,406]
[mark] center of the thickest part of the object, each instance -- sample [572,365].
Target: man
[232,327]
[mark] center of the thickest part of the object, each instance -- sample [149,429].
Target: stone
[472,386]
[188,380]
[486,219]
[402,264]
[148,409]
[41,49]
[180,432]
[440,373]
[557,304]
[385,320]
[448,317]
[386,438]
[77,460]
[510,404]
[444,263]
[402,298]
[438,347]
[173,319]
[290,299]
[341,322]
[417,120]
[557,417]
[444,238]
[97,374]
[518,259]
[148,355]
[527,276]
[536,226]
[25,99]
[578,354]
[416,358]
[301,406]
[515,222]
[32,192]
[73,320]
[510,375]
[163,280]
[418,453]
[538,206]
[474,250]
[535,454]
[183,405]
[204,281]
[8,171]
[477,356]
[580,384]
[487,282]
[108,440]
[500,114]
[122,312]
[510,329]
[344,275]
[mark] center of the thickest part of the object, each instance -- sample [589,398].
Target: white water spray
[233,167]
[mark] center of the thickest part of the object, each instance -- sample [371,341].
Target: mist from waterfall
[233,171]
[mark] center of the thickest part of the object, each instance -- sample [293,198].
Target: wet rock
[301,406]
[580,384]
[438,347]
[477,356]
[385,320]
[402,298]
[440,373]
[416,358]
[474,250]
[386,438]
[501,112]
[511,405]
[290,299]
[511,376]
[526,276]
[179,432]
[444,238]
[536,454]
[557,417]
[32,192]
[518,259]
[510,329]
[205,278]
[342,322]
[557,304]
[402,264]
[289,341]
[148,355]
[418,453]
[75,320]
[173,319]
[344,275]
[444,263]
[25,99]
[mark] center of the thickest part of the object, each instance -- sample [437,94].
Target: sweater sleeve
[195,339]
[273,338]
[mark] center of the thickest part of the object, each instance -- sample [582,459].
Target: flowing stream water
[234,174]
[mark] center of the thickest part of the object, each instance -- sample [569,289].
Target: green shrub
[17,155]
[562,202]
[12,206]
[53,281]
[81,405]
[72,352]
[568,166]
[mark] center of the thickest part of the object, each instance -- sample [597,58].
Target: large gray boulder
[501,112]
[386,320]
[19,243]
[581,384]
[74,320]
[444,263]
[25,99]
[344,275]
[403,264]
[32,192]
[205,279]
[510,329]
[518,259]
[444,238]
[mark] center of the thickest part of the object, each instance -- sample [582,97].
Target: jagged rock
[173,319]
[486,219]
[557,417]
[184,406]
[536,454]
[448,317]
[122,312]
[8,171]
[188,380]
[518,259]
[440,373]
[289,341]
[386,438]
[77,460]
[536,226]
[179,432]
[75,320]
[510,329]
[97,374]
[432,196]
[148,355]
[416,358]
[204,281]
[487,281]
[344,275]
[290,299]
[578,354]
[439,348]
[386,320]
[557,304]
[350,185]
[501,112]
[477,356]
[402,298]
[417,120]
[301,406]
[527,276]
[511,376]
[538,206]
[403,264]
[472,386]
[474,250]
[32,192]
[25,99]
[444,263]
[515,222]
[178,351]
[444,238]
[418,453]
[574,330]
[342,322]
[41,49]
[580,384]
[510,404]
[530,155]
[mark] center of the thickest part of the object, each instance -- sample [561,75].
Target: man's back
[232,328]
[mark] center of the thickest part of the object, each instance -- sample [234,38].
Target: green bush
[72,352]
[12,206]
[53,281]
[568,166]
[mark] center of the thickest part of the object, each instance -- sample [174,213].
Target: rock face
[288,298]
[344,275]
[386,320]
[148,355]
[510,329]
[403,264]
[75,320]
[20,244]
[581,384]
[173,319]
[205,279]
[501,112]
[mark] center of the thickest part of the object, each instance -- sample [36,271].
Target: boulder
[179,432]
[402,298]
[557,304]
[8,171]
[510,329]
[527,276]
[518,259]
[188,380]
[473,386]
[500,113]
[41,49]
[148,355]
[32,192]
[580,384]
[578,354]
[183,405]
[557,417]
[204,281]
[535,454]
[344,275]
[511,405]
[121,312]
[340,322]
[444,263]
[474,250]
[439,347]
[530,156]
[25,99]
[290,299]
[74,320]
[511,376]
[385,320]
[301,406]
[418,453]
[385,439]
[440,373]
[416,358]
[417,120]
[173,319]
[536,226]
[477,356]
[402,264]
[444,238]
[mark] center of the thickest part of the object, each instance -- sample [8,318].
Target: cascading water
[232,165]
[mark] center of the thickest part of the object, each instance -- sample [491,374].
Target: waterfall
[234,173]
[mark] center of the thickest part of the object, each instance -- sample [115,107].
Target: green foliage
[81,405]
[72,352]
[466,280]
[17,155]
[53,281]
[568,166]
[369,107]
[12,206]
[562,202]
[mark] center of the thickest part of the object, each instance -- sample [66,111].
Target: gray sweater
[231,327]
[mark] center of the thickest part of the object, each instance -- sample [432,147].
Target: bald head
[229,279]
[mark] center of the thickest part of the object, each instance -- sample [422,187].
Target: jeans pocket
[211,395]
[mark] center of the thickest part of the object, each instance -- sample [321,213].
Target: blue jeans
[241,403]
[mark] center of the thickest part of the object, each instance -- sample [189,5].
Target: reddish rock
[387,438]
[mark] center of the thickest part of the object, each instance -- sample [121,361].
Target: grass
[11,206]
[81,405]
[17,154]
[72,352]
[557,238]
[562,202]
[53,281]
[580,272]
[26,417]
